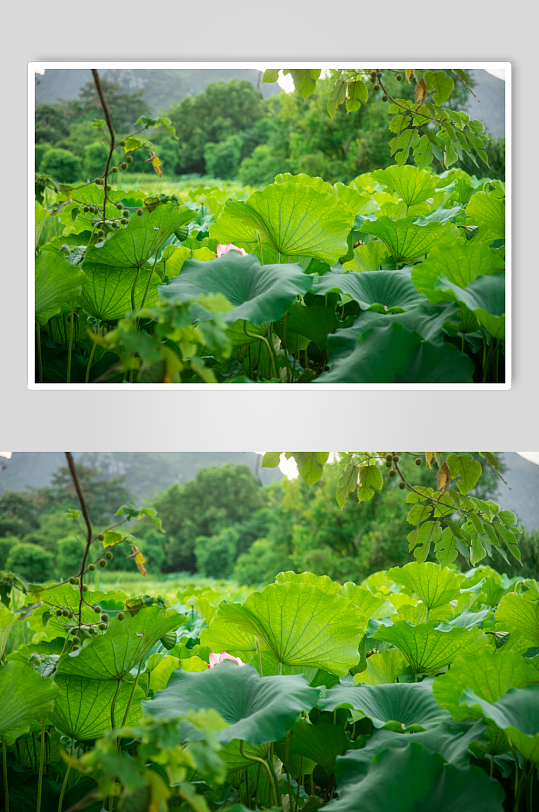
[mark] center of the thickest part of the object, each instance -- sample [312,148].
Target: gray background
[266,31]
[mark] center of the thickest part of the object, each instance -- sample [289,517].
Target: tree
[62,165]
[31,562]
[214,499]
[125,108]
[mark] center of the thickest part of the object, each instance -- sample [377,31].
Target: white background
[264,32]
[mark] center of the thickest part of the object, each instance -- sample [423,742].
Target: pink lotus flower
[215,659]
[224,249]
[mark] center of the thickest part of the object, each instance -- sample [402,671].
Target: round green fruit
[122,143]
[104,617]
[392,473]
[398,77]
[101,537]
[123,221]
[73,581]
[102,563]
[97,610]
[385,97]
[102,626]
[376,88]
[114,169]
[129,159]
[418,461]
[91,567]
[124,165]
[402,485]
[139,212]
[120,615]
[109,556]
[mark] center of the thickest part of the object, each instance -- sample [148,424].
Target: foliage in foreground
[417,688]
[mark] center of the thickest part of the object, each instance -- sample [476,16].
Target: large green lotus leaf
[57,282]
[426,319]
[82,710]
[516,614]
[369,605]
[314,323]
[258,293]
[319,743]
[7,621]
[106,294]
[433,585]
[420,614]
[25,696]
[132,246]
[323,582]
[489,673]
[257,709]
[516,713]
[488,213]
[387,288]
[229,229]
[223,636]
[367,257]
[397,706]
[428,649]
[394,354]
[413,779]
[413,185]
[460,261]
[92,195]
[485,297]
[306,180]
[382,668]
[404,239]
[126,642]
[298,220]
[302,625]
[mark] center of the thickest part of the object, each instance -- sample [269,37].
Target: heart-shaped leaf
[397,706]
[410,183]
[302,625]
[25,696]
[432,584]
[428,649]
[57,282]
[258,293]
[82,709]
[256,709]
[404,239]
[387,288]
[394,354]
[485,297]
[489,673]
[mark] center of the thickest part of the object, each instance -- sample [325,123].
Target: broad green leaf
[426,319]
[242,235]
[516,614]
[440,83]
[420,614]
[488,213]
[223,636]
[113,654]
[41,216]
[400,706]
[305,180]
[57,282]
[319,743]
[270,75]
[106,293]
[460,262]
[516,712]
[382,668]
[25,696]
[7,621]
[160,675]
[141,239]
[323,582]
[298,220]
[176,260]
[428,649]
[422,538]
[271,459]
[256,709]
[93,195]
[302,625]
[370,477]
[393,777]
[489,673]
[394,354]
[310,464]
[410,183]
[304,80]
[82,709]
[467,468]
[404,239]
[314,323]
[367,257]
[386,288]
[357,92]
[368,604]
[433,585]
[485,297]
[257,293]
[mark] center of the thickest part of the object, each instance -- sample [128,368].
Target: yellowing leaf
[443,479]
[421,92]
[408,74]
[428,457]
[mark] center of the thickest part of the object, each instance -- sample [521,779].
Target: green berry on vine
[385,97]
[102,563]
[373,77]
[73,632]
[75,648]
[123,221]
[119,206]
[85,587]
[98,181]
[114,169]
[129,159]
[109,187]
[86,209]
[388,464]
[58,613]
[392,473]
[398,77]
[389,457]
[125,213]
[379,74]
[124,165]
[76,641]
[98,610]
[104,617]
[91,567]
[396,458]
[65,612]
[376,88]
[418,461]
[102,626]
[120,615]
[402,485]
[73,581]
[122,143]
[139,212]
[101,537]
[100,233]
[109,556]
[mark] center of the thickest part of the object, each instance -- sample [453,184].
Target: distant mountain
[489,106]
[522,477]
[162,87]
[146,473]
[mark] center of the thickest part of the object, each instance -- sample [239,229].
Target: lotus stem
[90,359]
[66,776]
[288,768]
[266,767]
[135,683]
[113,705]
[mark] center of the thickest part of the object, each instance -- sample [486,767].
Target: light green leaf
[432,584]
[404,239]
[428,649]
[7,621]
[485,297]
[488,213]
[82,709]
[25,696]
[440,83]
[410,183]
[223,636]
[310,464]
[370,477]
[460,261]
[368,604]
[106,293]
[386,288]
[489,673]
[367,257]
[57,282]
[382,668]
[302,625]
[323,582]
[516,614]
[304,80]
[270,75]
[271,459]
[467,468]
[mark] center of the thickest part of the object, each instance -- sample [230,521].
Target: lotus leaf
[516,614]
[382,668]
[485,297]
[428,649]
[460,262]
[106,293]
[432,584]
[82,709]
[25,696]
[404,239]
[387,288]
[57,282]
[410,183]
